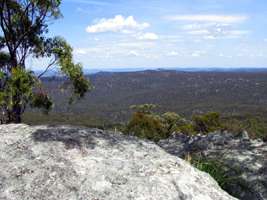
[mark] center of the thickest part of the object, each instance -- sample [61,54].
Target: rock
[246,158]
[69,163]
[244,135]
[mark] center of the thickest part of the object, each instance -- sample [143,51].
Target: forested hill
[183,92]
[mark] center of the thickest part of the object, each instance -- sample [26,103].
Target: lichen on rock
[70,163]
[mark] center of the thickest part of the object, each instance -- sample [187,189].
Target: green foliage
[227,176]
[175,123]
[147,126]
[172,121]
[20,83]
[42,101]
[255,125]
[63,54]
[207,123]
[214,168]
[187,129]
[24,27]
[144,108]
[4,59]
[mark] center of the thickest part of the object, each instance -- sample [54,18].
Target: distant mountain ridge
[178,69]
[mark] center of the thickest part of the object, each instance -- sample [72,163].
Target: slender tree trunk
[13,60]
[14,116]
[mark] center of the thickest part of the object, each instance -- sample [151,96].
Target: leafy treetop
[24,27]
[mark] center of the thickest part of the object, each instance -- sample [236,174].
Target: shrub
[207,122]
[148,126]
[255,126]
[143,108]
[172,121]
[175,123]
[187,129]
[226,176]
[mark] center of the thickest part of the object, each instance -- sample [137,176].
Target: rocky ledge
[68,163]
[245,159]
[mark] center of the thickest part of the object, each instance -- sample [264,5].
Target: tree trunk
[14,116]
[13,60]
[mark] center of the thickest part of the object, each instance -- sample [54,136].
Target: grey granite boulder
[246,159]
[68,163]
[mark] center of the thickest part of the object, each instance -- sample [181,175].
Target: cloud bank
[208,18]
[117,24]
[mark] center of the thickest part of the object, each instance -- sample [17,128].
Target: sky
[165,33]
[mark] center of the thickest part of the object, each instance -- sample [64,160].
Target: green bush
[175,123]
[144,108]
[187,129]
[148,126]
[254,125]
[206,123]
[172,121]
[226,176]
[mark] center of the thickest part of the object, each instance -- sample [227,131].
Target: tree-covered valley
[239,96]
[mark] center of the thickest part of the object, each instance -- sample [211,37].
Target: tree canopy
[24,33]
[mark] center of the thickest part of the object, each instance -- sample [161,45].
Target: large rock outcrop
[246,159]
[67,163]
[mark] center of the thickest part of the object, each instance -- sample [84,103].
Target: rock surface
[68,163]
[246,158]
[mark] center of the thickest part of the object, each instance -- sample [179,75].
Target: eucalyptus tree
[23,35]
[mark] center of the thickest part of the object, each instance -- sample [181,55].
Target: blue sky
[165,33]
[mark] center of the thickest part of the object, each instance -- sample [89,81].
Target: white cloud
[239,32]
[198,53]
[195,54]
[209,18]
[199,32]
[79,51]
[133,53]
[172,53]
[213,30]
[117,24]
[209,37]
[148,36]
[203,25]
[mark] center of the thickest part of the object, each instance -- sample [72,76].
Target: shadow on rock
[81,138]
[70,137]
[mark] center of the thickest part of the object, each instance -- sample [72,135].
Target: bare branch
[47,68]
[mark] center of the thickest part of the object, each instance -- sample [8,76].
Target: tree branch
[47,68]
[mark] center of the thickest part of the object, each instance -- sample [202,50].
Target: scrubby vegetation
[207,123]
[239,97]
[153,126]
[146,124]
[255,125]
[225,175]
